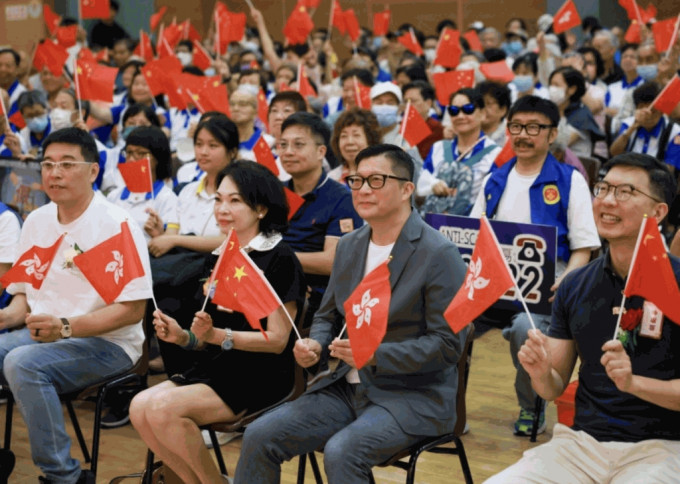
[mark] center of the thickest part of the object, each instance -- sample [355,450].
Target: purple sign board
[531,252]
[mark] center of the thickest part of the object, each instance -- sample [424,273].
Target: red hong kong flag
[95,9]
[634,11]
[33,265]
[669,97]
[446,83]
[264,155]
[414,129]
[410,41]
[448,51]
[566,17]
[52,20]
[651,275]
[338,17]
[506,154]
[111,265]
[298,26]
[497,71]
[473,40]
[381,23]
[241,286]
[488,277]
[137,175]
[664,34]
[295,201]
[366,312]
[352,24]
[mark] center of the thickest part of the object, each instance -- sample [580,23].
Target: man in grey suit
[407,390]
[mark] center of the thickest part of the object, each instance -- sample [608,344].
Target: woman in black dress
[241,370]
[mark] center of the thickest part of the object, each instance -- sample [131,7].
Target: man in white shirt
[83,339]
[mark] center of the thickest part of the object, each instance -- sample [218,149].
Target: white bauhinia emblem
[565,17]
[116,265]
[363,310]
[35,268]
[473,281]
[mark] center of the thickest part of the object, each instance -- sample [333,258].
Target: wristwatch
[66,330]
[228,342]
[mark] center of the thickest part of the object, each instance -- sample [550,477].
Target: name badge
[652,321]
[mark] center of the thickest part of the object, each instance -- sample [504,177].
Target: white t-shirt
[10,230]
[515,206]
[65,291]
[165,205]
[196,210]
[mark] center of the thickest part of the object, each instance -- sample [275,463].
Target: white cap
[383,87]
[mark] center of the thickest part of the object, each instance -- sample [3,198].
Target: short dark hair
[645,93]
[447,22]
[259,186]
[415,72]
[494,54]
[535,104]
[472,93]
[364,75]
[222,129]
[185,43]
[529,60]
[356,117]
[114,5]
[31,98]
[573,78]
[149,113]
[599,63]
[425,89]
[317,127]
[629,46]
[136,63]
[290,97]
[130,44]
[401,161]
[193,70]
[15,54]
[77,137]
[155,140]
[499,92]
[661,181]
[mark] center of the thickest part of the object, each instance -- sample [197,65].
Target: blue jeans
[355,437]
[37,373]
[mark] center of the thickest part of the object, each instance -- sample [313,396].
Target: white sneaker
[227,479]
[222,437]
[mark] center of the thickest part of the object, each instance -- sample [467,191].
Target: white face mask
[557,94]
[185,58]
[429,55]
[60,119]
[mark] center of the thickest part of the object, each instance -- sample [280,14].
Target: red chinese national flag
[635,12]
[362,95]
[497,71]
[473,39]
[310,3]
[298,26]
[189,32]
[295,201]
[366,312]
[171,34]
[566,17]
[66,36]
[305,88]
[505,155]
[231,27]
[338,18]
[95,9]
[156,73]
[111,265]
[95,82]
[50,55]
[202,59]
[137,175]
[33,265]
[52,20]
[214,97]
[241,285]
[352,24]
[633,33]
[446,83]
[144,48]
[264,155]
[651,275]
[488,277]
[664,34]
[381,23]
[156,18]
[410,41]
[669,97]
[414,129]
[448,50]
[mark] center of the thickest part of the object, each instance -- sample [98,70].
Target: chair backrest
[463,371]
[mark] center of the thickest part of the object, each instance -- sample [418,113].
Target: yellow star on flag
[239,273]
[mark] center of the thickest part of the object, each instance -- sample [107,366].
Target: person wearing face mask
[185,52]
[33,108]
[515,43]
[649,131]
[525,83]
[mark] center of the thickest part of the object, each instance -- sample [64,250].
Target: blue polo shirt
[583,311]
[326,212]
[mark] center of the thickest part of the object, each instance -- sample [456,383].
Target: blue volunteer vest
[6,297]
[548,196]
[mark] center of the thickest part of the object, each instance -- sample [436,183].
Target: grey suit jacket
[415,375]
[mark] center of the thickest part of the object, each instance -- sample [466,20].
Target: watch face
[227,344]
[66,331]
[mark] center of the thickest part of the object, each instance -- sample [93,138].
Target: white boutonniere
[69,254]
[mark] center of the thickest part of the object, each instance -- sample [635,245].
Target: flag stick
[141,43]
[673,38]
[403,124]
[342,331]
[357,92]
[330,21]
[632,264]
[195,100]
[215,269]
[153,192]
[158,42]
[77,79]
[250,5]
[354,49]
[637,11]
[80,13]
[4,110]
[217,34]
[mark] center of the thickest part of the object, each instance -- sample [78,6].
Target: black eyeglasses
[466,108]
[532,129]
[355,182]
[622,192]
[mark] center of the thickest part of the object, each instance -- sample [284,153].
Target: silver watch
[228,342]
[66,330]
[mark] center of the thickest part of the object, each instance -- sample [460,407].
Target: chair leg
[218,451]
[78,431]
[9,411]
[463,460]
[315,468]
[302,463]
[537,412]
[148,475]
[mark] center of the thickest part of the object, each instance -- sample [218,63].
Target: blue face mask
[38,124]
[648,72]
[386,114]
[513,48]
[523,83]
